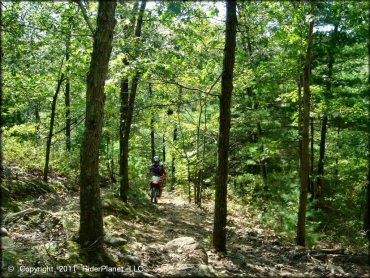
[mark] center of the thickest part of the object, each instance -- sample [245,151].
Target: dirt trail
[171,238]
[252,251]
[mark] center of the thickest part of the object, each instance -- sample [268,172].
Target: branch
[189,88]
[86,17]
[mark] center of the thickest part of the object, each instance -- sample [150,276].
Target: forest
[185,138]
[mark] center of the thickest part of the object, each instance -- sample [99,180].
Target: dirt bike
[155,188]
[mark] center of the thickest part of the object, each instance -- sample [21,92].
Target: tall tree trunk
[1,95]
[124,96]
[164,148]
[198,168]
[51,127]
[367,212]
[305,157]
[173,167]
[320,167]
[204,150]
[219,228]
[67,97]
[152,141]
[91,232]
[124,185]
[312,181]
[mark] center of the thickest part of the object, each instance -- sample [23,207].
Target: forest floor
[171,238]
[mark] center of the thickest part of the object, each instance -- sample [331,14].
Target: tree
[367,212]
[1,96]
[91,217]
[219,228]
[124,186]
[51,126]
[305,157]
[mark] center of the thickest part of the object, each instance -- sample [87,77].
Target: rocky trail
[171,238]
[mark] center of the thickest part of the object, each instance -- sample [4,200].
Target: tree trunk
[51,127]
[219,228]
[124,184]
[91,217]
[124,96]
[1,96]
[164,148]
[367,212]
[173,167]
[198,168]
[312,181]
[152,141]
[320,167]
[67,98]
[328,92]
[305,157]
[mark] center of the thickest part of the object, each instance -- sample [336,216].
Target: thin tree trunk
[152,141]
[204,150]
[305,157]
[164,148]
[91,232]
[198,168]
[320,167]
[124,185]
[173,167]
[67,97]
[219,228]
[312,181]
[1,96]
[336,159]
[124,96]
[51,127]
[367,211]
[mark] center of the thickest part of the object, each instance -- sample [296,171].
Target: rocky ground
[172,238]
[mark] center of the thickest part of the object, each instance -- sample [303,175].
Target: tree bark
[173,166]
[1,96]
[312,181]
[164,148]
[124,184]
[305,157]
[91,232]
[67,97]
[320,167]
[219,228]
[51,127]
[367,211]
[152,141]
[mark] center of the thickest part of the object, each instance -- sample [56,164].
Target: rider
[157,169]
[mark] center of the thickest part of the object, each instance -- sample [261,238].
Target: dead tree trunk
[305,157]
[51,127]
[91,217]
[219,228]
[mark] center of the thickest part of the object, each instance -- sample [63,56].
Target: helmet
[156,158]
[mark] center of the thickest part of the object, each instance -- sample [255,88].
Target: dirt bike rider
[157,169]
